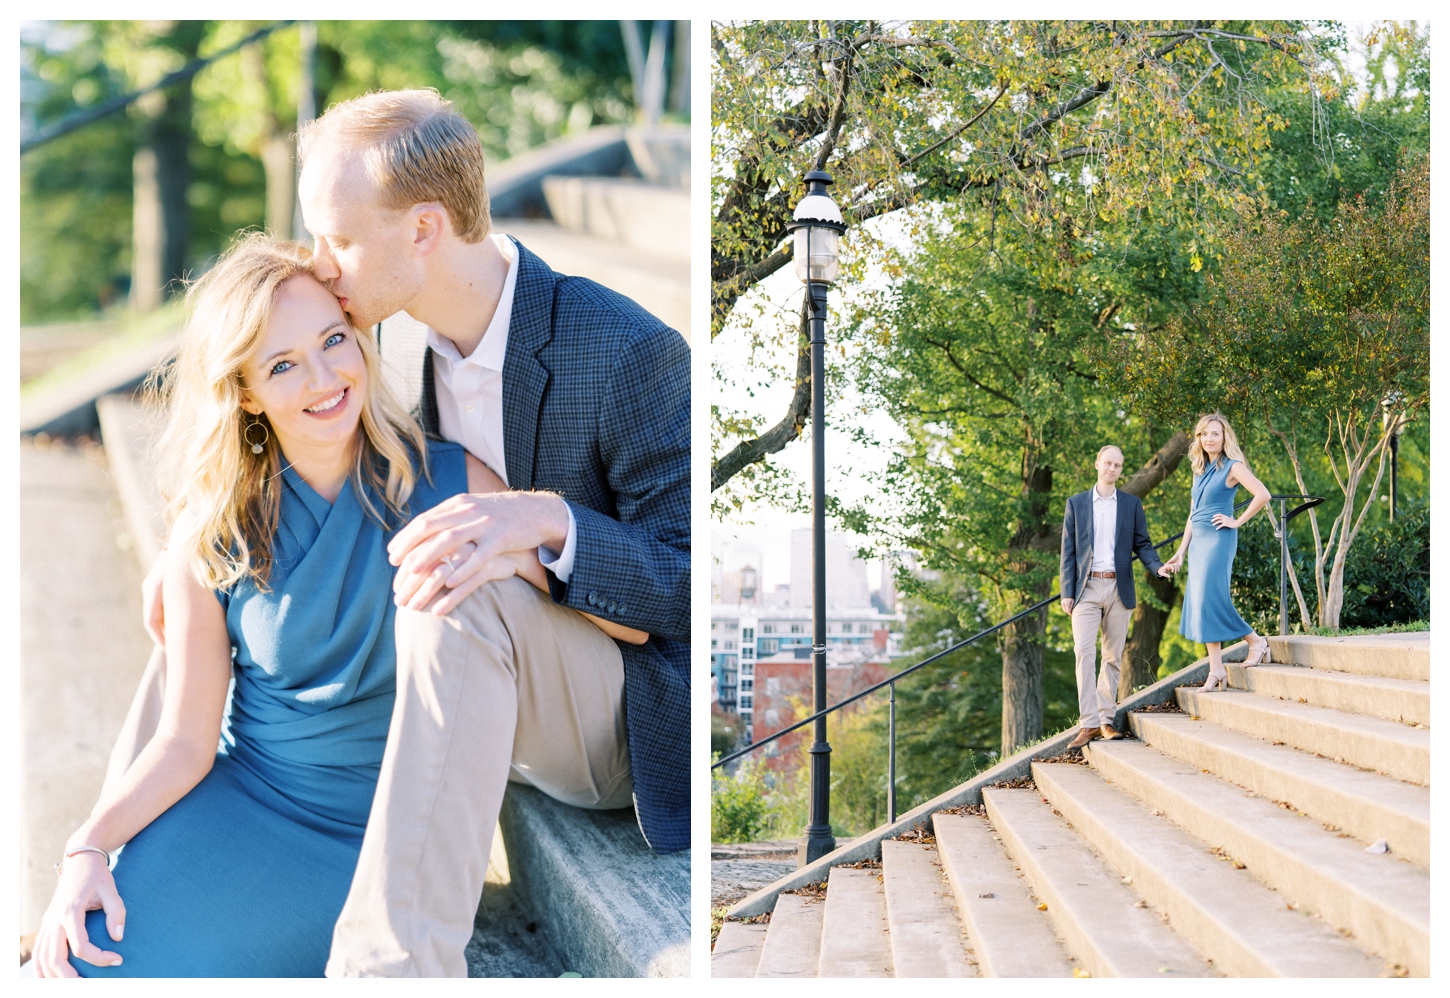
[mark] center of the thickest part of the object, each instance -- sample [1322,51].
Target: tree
[1320,331]
[979,354]
[1040,126]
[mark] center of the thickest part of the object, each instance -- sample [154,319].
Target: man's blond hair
[417,148]
[1105,448]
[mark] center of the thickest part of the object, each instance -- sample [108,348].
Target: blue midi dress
[246,875]
[1208,612]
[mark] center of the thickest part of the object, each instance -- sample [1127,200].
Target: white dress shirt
[1105,530]
[470,397]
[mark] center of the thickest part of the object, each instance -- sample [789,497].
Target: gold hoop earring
[247,435]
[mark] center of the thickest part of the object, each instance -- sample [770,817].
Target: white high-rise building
[846,584]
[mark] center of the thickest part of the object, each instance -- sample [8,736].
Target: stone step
[1370,742]
[1403,700]
[793,944]
[1234,920]
[609,905]
[660,285]
[1381,900]
[1366,805]
[1007,934]
[737,949]
[650,218]
[1097,914]
[1400,656]
[855,935]
[926,934]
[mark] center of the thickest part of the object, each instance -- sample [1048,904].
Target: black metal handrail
[1284,517]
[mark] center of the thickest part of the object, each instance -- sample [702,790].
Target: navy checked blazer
[1077,545]
[596,407]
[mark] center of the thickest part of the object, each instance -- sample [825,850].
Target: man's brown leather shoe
[1107,733]
[1084,735]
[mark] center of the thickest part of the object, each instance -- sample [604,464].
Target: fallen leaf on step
[1379,846]
[1238,865]
[1140,904]
[987,894]
[1042,906]
[1127,880]
[1157,813]
[1165,970]
[1079,972]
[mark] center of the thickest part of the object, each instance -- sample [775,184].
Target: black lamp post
[817,228]
[1394,426]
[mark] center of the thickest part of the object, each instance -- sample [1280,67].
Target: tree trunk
[147,241]
[281,174]
[1022,642]
[171,139]
[1141,656]
[1022,661]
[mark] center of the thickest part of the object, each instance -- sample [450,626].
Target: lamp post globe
[816,229]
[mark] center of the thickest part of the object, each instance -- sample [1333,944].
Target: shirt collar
[492,349]
[1101,498]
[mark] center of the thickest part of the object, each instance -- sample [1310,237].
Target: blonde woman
[290,469]
[1210,538]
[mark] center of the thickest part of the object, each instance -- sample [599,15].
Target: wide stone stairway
[1279,828]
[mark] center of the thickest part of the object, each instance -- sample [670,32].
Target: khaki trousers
[1098,608]
[510,686]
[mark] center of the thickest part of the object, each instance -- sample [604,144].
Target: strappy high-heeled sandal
[1216,681]
[1260,657]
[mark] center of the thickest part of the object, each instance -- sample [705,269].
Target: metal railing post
[818,838]
[891,761]
[1283,567]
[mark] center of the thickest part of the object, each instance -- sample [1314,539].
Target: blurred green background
[114,214]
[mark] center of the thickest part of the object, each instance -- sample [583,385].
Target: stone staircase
[1279,828]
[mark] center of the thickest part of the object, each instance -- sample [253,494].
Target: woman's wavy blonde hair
[1231,447]
[231,497]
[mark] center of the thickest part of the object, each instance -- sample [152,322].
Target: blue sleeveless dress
[246,875]
[1208,612]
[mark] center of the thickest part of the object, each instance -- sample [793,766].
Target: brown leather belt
[1104,575]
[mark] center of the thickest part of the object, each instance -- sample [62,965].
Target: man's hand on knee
[469,540]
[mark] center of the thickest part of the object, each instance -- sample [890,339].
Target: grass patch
[717,919]
[132,331]
[1409,627]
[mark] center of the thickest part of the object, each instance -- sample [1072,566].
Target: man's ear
[430,223]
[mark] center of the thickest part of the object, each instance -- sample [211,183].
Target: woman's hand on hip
[1223,520]
[85,885]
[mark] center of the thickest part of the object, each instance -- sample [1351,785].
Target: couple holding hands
[1101,531]
[372,619]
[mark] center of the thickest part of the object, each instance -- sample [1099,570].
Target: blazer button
[611,606]
[594,599]
[621,608]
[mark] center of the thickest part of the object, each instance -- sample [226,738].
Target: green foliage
[1388,580]
[740,805]
[724,733]
[1043,131]
[520,83]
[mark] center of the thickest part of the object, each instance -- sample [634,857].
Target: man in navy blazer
[1101,531]
[579,400]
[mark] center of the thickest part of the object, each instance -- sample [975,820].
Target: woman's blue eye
[281,366]
[334,340]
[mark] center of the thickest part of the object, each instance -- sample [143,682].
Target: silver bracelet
[71,852]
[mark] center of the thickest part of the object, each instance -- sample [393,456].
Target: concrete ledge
[515,185]
[1400,656]
[129,430]
[609,906]
[647,217]
[868,846]
[66,406]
